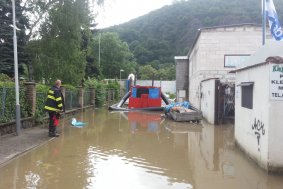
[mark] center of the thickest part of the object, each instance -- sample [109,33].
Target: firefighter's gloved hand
[58,115]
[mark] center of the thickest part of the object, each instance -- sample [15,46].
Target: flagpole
[263,21]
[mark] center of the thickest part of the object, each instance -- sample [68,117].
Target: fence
[71,100]
[8,103]
[32,105]
[110,96]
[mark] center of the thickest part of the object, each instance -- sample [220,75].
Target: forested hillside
[157,37]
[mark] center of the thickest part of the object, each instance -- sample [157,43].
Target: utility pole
[18,108]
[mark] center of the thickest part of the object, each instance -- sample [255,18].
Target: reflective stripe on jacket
[55,100]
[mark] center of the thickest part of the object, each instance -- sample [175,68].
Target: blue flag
[274,24]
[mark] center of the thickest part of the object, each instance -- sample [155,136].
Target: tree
[64,44]
[147,72]
[6,37]
[171,30]
[52,24]
[114,55]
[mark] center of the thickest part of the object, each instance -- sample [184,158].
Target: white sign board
[235,60]
[276,82]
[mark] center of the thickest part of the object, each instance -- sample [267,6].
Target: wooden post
[92,96]
[81,97]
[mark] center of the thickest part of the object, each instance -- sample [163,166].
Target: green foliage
[69,87]
[4,78]
[42,88]
[7,93]
[100,93]
[100,89]
[7,84]
[114,85]
[41,94]
[171,95]
[114,56]
[91,83]
[147,72]
[6,37]
[61,51]
[171,30]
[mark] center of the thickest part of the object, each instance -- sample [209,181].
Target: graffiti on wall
[258,127]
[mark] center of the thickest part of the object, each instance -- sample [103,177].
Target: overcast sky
[119,11]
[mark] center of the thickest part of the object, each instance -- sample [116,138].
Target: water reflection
[137,150]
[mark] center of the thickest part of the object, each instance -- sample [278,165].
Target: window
[247,94]
[233,61]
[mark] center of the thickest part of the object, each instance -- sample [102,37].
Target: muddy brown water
[137,150]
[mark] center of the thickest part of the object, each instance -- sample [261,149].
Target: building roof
[272,48]
[217,27]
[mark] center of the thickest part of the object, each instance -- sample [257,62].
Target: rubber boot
[52,132]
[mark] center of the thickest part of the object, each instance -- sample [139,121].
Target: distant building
[215,52]
[182,78]
[218,50]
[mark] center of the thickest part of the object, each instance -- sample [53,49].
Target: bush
[7,84]
[114,85]
[100,90]
[41,94]
[91,83]
[100,94]
[171,95]
[4,78]
[69,87]
[8,102]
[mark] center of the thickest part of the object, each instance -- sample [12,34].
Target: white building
[259,105]
[218,50]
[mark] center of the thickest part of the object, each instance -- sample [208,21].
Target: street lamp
[120,74]
[18,108]
[120,82]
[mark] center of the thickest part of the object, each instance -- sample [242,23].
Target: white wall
[207,57]
[208,100]
[275,132]
[166,86]
[265,118]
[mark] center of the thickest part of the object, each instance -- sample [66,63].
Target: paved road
[12,146]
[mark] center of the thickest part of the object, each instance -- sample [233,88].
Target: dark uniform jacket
[55,100]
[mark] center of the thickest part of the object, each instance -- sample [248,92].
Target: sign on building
[276,82]
[233,61]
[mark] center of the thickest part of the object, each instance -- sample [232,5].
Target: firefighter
[54,105]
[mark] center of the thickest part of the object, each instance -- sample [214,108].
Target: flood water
[137,150]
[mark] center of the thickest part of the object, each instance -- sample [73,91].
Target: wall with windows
[217,51]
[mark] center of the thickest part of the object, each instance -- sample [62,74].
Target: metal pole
[263,21]
[121,70]
[99,50]
[18,108]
